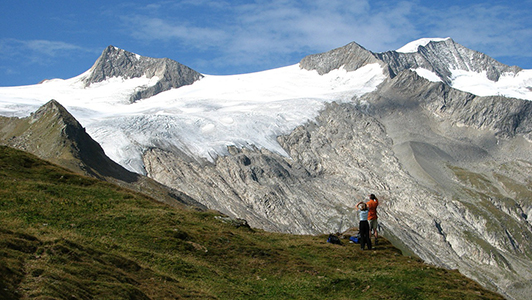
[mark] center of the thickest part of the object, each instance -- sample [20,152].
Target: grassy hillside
[63,236]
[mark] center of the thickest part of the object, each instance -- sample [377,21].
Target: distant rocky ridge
[439,57]
[505,117]
[115,62]
[350,57]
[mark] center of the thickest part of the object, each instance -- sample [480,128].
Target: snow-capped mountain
[470,71]
[439,132]
[437,60]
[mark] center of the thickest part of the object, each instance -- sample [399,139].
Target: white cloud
[49,48]
[270,30]
[39,51]
[153,28]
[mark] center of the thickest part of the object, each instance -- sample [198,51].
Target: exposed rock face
[461,151]
[452,170]
[116,62]
[447,194]
[505,117]
[52,133]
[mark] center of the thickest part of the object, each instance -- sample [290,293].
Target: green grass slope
[64,236]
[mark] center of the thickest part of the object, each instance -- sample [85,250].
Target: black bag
[333,239]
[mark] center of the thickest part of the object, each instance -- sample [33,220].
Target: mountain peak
[53,110]
[54,134]
[116,62]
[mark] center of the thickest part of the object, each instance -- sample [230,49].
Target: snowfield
[414,45]
[509,85]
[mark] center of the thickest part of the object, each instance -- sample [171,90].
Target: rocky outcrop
[116,62]
[351,57]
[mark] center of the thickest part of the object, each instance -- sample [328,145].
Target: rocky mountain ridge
[115,62]
[440,57]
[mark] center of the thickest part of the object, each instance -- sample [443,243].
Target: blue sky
[61,39]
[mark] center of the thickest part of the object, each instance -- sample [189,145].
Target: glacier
[201,119]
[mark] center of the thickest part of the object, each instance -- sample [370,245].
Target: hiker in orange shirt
[372,216]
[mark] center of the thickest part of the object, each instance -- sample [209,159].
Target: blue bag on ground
[354,239]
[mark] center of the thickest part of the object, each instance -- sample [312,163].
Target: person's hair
[363,206]
[372,196]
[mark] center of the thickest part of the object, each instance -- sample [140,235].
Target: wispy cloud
[49,48]
[154,28]
[38,51]
[30,61]
[281,25]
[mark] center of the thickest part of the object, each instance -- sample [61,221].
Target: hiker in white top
[363,227]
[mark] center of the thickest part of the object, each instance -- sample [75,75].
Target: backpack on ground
[333,239]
